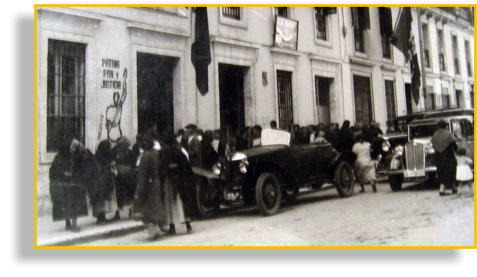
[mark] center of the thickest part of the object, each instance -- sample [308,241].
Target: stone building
[106,72]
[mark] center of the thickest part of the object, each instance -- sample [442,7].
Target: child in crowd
[464,176]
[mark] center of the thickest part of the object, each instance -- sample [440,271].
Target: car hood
[262,150]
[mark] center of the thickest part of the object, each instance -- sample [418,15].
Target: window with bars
[231,12]
[362,99]
[320,23]
[455,50]
[440,45]
[430,102]
[390,104]
[285,99]
[65,92]
[386,28]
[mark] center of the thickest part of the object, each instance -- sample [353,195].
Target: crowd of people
[153,177]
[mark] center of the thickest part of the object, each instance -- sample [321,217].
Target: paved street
[415,216]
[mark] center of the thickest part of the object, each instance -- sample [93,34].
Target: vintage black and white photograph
[254,126]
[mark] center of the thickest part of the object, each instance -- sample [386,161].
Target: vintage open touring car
[266,173]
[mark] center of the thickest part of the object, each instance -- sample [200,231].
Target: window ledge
[324,43]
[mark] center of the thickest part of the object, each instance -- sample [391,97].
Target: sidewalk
[51,233]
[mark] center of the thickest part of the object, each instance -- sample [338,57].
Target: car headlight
[386,146]
[217,169]
[399,150]
[243,166]
[430,149]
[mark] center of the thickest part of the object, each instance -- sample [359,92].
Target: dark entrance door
[155,92]
[407,88]
[285,99]
[232,112]
[322,91]
[362,99]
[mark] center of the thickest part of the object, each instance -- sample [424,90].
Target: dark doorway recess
[232,112]
[155,92]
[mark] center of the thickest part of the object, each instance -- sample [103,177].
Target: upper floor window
[468,58]
[231,13]
[234,16]
[440,47]
[425,38]
[455,51]
[320,23]
[282,12]
[386,28]
[360,18]
[65,92]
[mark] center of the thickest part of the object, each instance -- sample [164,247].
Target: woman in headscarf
[444,143]
[364,166]
[67,195]
[125,183]
[103,196]
[148,198]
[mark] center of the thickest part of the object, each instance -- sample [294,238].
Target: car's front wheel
[206,200]
[395,181]
[267,193]
[344,179]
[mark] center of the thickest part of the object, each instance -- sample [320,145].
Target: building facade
[109,72]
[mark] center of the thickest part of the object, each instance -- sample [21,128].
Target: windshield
[422,131]
[274,137]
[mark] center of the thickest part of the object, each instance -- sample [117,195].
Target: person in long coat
[125,183]
[68,196]
[149,200]
[103,196]
[345,137]
[444,143]
[176,176]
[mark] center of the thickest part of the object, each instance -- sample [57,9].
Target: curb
[96,236]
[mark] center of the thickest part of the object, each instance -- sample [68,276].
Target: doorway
[231,89]
[322,92]
[407,88]
[362,99]
[155,92]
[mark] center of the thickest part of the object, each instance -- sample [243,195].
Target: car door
[313,158]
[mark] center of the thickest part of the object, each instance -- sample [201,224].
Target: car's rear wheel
[344,179]
[207,202]
[267,193]
[395,182]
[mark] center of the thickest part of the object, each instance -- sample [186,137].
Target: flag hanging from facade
[403,39]
[200,55]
